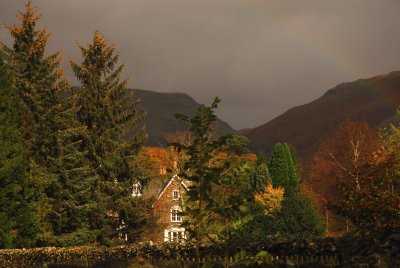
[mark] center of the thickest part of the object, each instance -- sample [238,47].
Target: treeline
[67,155]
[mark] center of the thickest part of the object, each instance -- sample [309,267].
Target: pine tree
[110,113]
[12,159]
[72,195]
[50,128]
[282,168]
[19,227]
[38,81]
[298,217]
[292,170]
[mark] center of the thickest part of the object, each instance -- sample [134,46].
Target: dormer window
[175,217]
[175,194]
[136,189]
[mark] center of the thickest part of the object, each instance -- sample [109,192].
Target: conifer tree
[282,168]
[38,82]
[50,128]
[19,227]
[298,217]
[292,169]
[12,160]
[72,194]
[110,113]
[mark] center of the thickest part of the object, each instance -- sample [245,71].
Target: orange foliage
[271,199]
[341,156]
[164,157]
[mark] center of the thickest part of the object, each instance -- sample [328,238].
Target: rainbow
[325,51]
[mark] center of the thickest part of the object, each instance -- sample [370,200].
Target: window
[174,234]
[136,189]
[175,194]
[175,217]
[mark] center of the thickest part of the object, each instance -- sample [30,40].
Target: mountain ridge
[161,107]
[373,100]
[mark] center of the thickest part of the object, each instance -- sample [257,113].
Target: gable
[174,182]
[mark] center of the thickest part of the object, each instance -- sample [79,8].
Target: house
[167,207]
[168,195]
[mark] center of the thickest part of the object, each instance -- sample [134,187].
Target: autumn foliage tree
[340,158]
[270,199]
[371,199]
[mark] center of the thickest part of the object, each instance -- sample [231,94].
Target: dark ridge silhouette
[373,100]
[161,109]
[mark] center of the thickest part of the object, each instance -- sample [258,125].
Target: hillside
[373,100]
[161,109]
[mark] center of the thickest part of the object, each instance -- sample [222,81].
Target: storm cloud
[261,57]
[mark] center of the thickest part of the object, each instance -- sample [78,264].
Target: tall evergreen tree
[282,168]
[49,126]
[72,194]
[110,113]
[298,217]
[12,158]
[19,227]
[38,82]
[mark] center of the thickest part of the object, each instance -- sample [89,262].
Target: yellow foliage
[271,198]
[99,40]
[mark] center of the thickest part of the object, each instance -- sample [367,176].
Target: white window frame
[174,234]
[175,217]
[175,197]
[136,189]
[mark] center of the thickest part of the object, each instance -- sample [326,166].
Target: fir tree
[38,82]
[281,167]
[292,169]
[50,128]
[110,113]
[19,227]
[73,194]
[298,217]
[12,158]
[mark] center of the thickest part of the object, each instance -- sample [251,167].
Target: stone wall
[330,252]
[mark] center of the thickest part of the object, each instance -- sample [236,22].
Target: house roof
[168,183]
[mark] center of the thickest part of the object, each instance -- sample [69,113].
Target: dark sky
[261,57]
